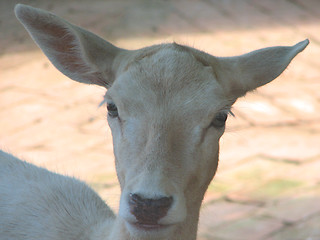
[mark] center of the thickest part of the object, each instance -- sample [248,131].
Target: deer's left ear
[244,73]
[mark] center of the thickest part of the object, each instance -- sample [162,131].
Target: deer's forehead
[167,76]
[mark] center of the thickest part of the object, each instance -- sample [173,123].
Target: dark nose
[149,211]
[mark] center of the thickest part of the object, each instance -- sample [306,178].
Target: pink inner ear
[55,37]
[58,38]
[77,53]
[63,47]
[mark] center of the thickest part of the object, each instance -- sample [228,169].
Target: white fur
[166,142]
[38,204]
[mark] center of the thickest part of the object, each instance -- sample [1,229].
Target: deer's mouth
[138,228]
[150,227]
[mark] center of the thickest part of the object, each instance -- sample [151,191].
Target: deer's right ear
[77,53]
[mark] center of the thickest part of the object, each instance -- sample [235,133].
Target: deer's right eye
[112,110]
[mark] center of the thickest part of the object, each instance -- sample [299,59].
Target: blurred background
[268,182]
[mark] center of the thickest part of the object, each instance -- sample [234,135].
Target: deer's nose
[149,211]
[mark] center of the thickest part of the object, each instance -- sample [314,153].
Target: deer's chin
[141,230]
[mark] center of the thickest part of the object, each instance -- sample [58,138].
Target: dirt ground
[268,183]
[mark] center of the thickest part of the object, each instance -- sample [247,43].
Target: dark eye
[112,110]
[219,120]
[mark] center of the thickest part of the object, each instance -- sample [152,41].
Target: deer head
[167,107]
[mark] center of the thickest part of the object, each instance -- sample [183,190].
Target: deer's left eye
[112,110]
[219,120]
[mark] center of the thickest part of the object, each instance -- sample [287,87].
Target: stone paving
[268,183]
